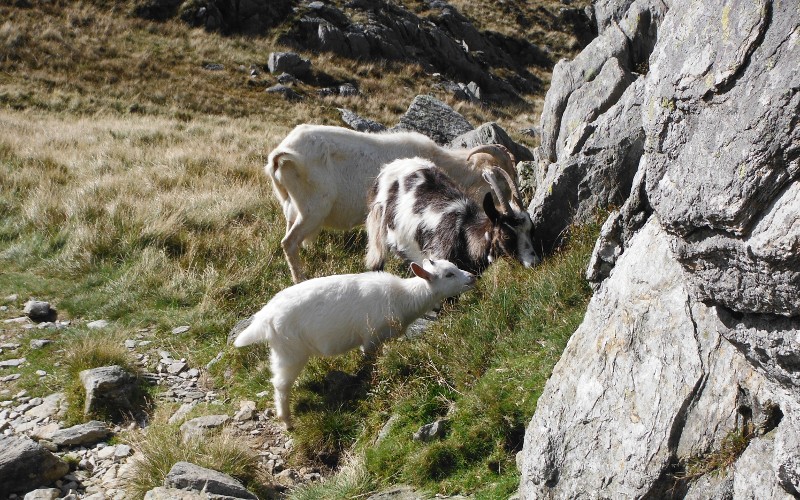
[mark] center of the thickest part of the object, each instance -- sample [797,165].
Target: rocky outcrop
[691,338]
[242,16]
[443,41]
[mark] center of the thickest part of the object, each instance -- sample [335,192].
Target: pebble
[11,362]
[180,329]
[100,323]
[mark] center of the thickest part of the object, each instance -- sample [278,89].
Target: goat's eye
[449,275]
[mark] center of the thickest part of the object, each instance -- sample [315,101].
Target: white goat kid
[321,175]
[334,314]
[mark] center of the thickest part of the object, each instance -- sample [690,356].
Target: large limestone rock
[693,332]
[25,465]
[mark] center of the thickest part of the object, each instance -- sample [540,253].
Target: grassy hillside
[131,189]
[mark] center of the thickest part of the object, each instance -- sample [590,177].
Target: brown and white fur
[418,212]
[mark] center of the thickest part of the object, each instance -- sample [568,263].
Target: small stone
[39,343]
[10,378]
[122,451]
[11,362]
[130,344]
[21,319]
[43,494]
[41,373]
[180,329]
[196,427]
[39,311]
[106,452]
[94,325]
[247,411]
[176,368]
[431,431]
[181,413]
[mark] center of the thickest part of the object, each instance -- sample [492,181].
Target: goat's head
[511,225]
[444,277]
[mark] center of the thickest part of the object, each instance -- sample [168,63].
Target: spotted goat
[418,212]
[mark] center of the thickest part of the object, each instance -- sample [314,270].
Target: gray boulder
[741,240]
[600,175]
[433,118]
[491,133]
[663,387]
[251,17]
[39,311]
[692,333]
[185,475]
[288,62]
[359,123]
[284,91]
[25,465]
[108,388]
[81,434]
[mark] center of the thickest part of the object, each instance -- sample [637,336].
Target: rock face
[685,116]
[443,41]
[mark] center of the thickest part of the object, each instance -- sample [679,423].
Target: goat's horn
[490,176]
[498,152]
[512,186]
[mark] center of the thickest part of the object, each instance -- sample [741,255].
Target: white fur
[321,176]
[334,314]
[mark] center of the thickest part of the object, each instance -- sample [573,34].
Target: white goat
[334,314]
[321,175]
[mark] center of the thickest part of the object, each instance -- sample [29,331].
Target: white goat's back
[329,315]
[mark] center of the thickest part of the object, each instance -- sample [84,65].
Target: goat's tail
[280,164]
[376,237]
[258,330]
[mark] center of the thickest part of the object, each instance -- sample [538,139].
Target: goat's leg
[284,373]
[295,235]
[304,227]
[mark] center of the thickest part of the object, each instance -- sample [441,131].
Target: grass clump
[717,462]
[93,349]
[161,445]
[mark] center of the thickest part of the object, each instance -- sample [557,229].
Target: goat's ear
[490,209]
[419,271]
